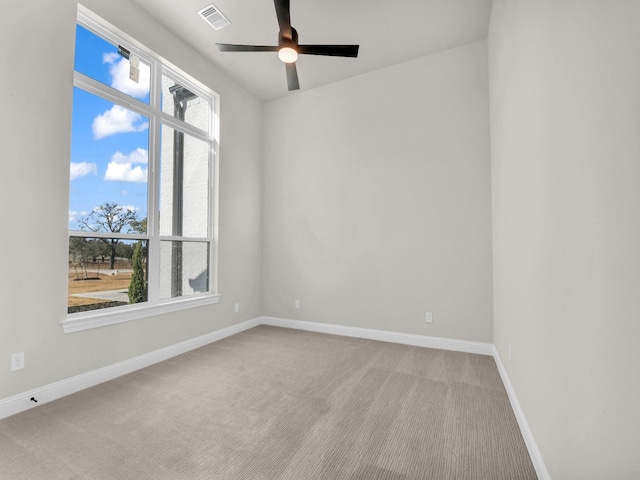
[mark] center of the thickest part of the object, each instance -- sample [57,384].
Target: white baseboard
[430,342]
[527,434]
[383,335]
[21,402]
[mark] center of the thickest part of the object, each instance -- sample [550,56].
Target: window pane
[184,105]
[184,185]
[184,268]
[100,60]
[106,272]
[108,170]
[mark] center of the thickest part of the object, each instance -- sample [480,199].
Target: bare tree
[112,218]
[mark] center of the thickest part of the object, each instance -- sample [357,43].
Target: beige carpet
[273,403]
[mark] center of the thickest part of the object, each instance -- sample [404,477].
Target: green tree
[125,250]
[102,250]
[139,226]
[78,256]
[137,287]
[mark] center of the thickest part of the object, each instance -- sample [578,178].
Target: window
[142,176]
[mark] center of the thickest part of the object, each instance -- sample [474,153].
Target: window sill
[97,318]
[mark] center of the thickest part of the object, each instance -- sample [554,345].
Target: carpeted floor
[273,403]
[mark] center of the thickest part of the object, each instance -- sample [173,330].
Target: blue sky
[109,144]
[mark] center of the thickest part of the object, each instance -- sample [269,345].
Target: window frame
[157,118]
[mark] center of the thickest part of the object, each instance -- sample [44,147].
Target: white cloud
[110,57]
[75,216]
[130,208]
[81,169]
[119,71]
[139,155]
[117,120]
[125,172]
[121,167]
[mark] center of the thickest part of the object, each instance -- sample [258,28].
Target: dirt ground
[103,282]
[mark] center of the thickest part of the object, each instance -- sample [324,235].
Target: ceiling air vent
[214,17]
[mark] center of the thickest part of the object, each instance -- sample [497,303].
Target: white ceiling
[388,33]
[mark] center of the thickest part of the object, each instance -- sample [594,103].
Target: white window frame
[154,305]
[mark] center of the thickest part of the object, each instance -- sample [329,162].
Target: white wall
[376,208]
[36,97]
[565,123]
[377,199]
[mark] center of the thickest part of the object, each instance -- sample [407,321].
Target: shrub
[137,287]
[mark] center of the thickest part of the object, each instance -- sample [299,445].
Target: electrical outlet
[429,317]
[236,307]
[17,361]
[297,304]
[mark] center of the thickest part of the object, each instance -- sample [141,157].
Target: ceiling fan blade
[330,50]
[225,47]
[292,76]
[284,18]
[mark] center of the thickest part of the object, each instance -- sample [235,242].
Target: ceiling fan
[288,47]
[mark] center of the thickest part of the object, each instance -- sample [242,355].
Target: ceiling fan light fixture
[288,54]
[288,47]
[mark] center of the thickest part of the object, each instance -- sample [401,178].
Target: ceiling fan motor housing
[288,47]
[285,41]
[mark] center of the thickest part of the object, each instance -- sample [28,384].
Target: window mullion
[111,94]
[175,238]
[123,236]
[213,213]
[185,127]
[154,184]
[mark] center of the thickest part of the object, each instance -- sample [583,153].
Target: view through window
[141,179]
